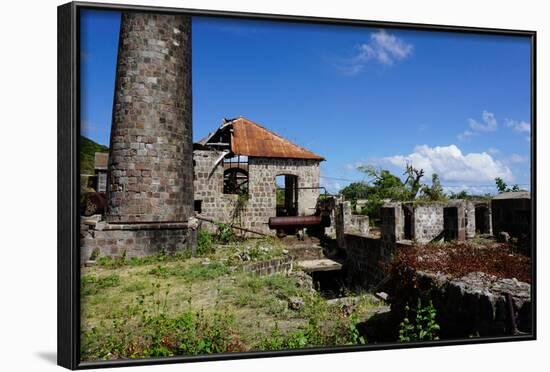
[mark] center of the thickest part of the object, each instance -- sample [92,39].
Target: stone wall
[340,218]
[358,224]
[392,222]
[208,189]
[367,259]
[474,305]
[427,221]
[150,160]
[364,260]
[470,215]
[134,240]
[277,265]
[261,203]
[262,187]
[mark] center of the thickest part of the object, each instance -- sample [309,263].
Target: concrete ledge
[323,264]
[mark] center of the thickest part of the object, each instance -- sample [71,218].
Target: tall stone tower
[150,174]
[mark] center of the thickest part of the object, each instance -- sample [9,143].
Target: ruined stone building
[244,174]
[433,221]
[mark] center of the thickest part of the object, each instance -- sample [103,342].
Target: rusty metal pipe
[294,222]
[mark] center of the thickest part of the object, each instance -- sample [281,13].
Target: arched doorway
[286,195]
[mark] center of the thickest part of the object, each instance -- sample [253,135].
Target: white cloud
[488,123]
[493,151]
[452,165]
[519,126]
[383,48]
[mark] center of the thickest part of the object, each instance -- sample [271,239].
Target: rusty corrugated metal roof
[101,160]
[251,139]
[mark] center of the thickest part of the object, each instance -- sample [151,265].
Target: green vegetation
[386,186]
[224,233]
[145,329]
[91,284]
[424,326]
[205,242]
[166,305]
[503,187]
[88,148]
[383,185]
[196,271]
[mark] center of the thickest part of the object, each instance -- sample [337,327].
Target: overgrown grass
[92,284]
[197,271]
[146,330]
[164,305]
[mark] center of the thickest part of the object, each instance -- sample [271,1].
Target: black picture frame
[68,314]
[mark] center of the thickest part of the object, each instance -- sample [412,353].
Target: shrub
[225,233]
[423,328]
[204,243]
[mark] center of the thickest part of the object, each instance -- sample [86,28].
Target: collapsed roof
[243,137]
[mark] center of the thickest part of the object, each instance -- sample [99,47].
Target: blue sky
[454,104]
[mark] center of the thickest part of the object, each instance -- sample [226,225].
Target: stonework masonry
[150,169]
[150,166]
[134,240]
[274,266]
[428,221]
[260,203]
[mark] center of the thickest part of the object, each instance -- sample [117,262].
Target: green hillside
[88,148]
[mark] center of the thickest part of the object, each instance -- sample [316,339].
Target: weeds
[145,330]
[225,233]
[423,328]
[91,284]
[205,244]
[197,271]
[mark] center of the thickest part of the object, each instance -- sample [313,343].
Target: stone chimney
[150,173]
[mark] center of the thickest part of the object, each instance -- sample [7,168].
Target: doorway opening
[286,195]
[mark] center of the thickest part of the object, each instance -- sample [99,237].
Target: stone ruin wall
[470,216]
[366,255]
[261,203]
[476,304]
[208,189]
[99,239]
[427,221]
